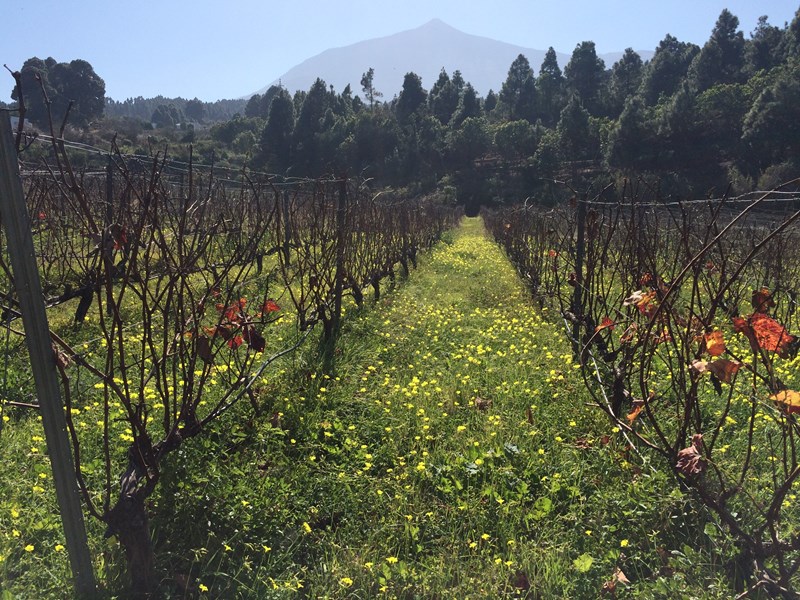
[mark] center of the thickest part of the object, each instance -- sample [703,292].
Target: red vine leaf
[765,333]
[606,323]
[270,306]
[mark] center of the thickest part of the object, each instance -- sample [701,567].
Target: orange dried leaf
[638,406]
[631,416]
[633,299]
[771,335]
[788,399]
[742,325]
[715,343]
[606,323]
[629,334]
[762,300]
[724,369]
[270,306]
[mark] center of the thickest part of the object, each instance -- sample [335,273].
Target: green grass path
[450,454]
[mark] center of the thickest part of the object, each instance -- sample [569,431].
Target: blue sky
[213,50]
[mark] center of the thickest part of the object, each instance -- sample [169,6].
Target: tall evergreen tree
[73,83]
[443,98]
[573,130]
[626,77]
[490,102]
[790,45]
[667,69]
[550,85]
[468,106]
[584,75]
[305,139]
[518,94]
[368,86]
[763,50]
[722,58]
[632,144]
[276,137]
[411,98]
[195,109]
[771,129]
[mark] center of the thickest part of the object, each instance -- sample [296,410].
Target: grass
[449,454]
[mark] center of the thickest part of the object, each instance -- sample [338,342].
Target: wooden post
[287,227]
[16,223]
[341,236]
[107,243]
[577,297]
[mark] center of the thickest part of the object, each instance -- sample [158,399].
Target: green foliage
[551,88]
[443,98]
[585,74]
[72,86]
[515,139]
[722,58]
[667,69]
[518,94]
[624,81]
[468,142]
[412,97]
[171,116]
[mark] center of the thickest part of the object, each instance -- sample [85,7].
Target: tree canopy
[72,88]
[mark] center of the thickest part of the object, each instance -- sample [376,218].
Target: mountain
[483,62]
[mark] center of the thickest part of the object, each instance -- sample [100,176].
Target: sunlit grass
[451,452]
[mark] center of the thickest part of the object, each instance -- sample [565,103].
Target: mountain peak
[425,51]
[436,24]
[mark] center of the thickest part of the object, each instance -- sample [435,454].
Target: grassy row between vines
[452,453]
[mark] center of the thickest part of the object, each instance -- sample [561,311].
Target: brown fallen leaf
[483,403]
[690,460]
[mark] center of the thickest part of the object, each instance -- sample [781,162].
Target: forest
[692,120]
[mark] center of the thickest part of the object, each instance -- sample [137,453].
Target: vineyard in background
[683,316]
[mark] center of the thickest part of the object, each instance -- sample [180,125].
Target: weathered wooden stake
[341,237]
[107,243]
[577,296]
[16,223]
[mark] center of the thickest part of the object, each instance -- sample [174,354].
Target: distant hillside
[484,62]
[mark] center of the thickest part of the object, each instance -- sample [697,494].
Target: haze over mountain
[483,62]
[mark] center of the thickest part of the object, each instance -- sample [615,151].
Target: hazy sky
[218,49]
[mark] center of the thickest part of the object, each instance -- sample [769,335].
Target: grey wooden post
[16,223]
